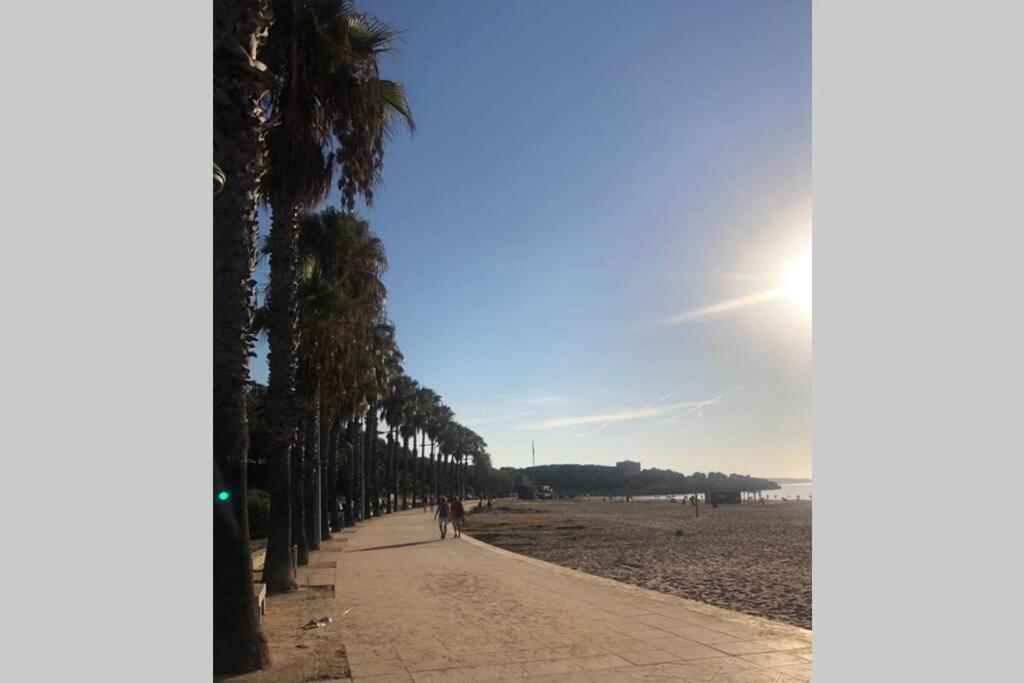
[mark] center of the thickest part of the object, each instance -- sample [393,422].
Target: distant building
[628,467]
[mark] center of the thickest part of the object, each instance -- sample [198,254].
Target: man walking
[458,516]
[442,516]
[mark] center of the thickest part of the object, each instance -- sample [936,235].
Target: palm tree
[409,390]
[385,362]
[427,402]
[239,31]
[439,417]
[330,109]
[335,315]
[323,307]
[396,412]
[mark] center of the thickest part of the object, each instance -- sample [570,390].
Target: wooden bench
[259,595]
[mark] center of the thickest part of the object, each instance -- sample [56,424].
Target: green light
[223,495]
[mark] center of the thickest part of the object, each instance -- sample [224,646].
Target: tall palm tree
[239,32]
[323,307]
[410,388]
[396,412]
[387,366]
[439,418]
[330,111]
[349,262]
[427,403]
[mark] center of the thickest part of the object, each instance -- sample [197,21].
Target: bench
[259,595]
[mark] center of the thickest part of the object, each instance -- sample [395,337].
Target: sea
[803,490]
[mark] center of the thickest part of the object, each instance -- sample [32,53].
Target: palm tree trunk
[404,464]
[432,471]
[298,497]
[395,464]
[309,478]
[350,473]
[442,474]
[416,474]
[282,359]
[326,431]
[425,473]
[332,475]
[372,479]
[449,481]
[388,472]
[361,465]
[465,475]
[238,642]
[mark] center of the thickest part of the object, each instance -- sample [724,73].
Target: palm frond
[369,35]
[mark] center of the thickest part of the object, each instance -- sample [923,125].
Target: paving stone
[422,609]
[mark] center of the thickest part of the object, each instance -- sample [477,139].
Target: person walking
[442,515]
[458,516]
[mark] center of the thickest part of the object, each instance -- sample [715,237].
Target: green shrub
[259,513]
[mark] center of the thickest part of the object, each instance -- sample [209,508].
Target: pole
[533,449]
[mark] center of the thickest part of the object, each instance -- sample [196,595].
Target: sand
[299,654]
[749,558]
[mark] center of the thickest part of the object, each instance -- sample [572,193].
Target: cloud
[703,312]
[673,412]
[536,398]
[618,416]
[497,418]
[545,400]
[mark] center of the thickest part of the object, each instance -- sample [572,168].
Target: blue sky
[582,173]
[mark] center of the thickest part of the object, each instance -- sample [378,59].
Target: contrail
[714,309]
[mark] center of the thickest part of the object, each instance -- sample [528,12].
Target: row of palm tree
[299,106]
[350,381]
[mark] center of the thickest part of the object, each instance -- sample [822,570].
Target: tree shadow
[397,545]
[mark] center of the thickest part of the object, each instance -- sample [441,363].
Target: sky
[589,233]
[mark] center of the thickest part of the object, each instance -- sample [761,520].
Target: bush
[259,513]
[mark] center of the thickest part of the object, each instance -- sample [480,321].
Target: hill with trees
[603,480]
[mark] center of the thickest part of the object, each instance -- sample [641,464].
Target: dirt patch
[300,655]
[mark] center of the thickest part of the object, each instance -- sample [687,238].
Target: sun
[796,281]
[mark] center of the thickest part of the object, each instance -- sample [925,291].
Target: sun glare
[796,281]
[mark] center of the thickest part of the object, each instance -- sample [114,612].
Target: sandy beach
[750,558]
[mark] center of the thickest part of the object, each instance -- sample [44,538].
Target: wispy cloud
[497,418]
[624,415]
[618,416]
[719,308]
[698,408]
[536,398]
[545,400]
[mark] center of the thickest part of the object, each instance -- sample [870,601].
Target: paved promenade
[423,609]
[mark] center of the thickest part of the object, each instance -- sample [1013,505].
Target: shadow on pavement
[397,545]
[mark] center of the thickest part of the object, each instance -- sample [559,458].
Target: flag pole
[533,449]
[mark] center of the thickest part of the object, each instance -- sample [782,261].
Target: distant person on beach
[458,516]
[442,515]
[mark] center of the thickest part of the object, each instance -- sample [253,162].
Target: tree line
[299,108]
[604,480]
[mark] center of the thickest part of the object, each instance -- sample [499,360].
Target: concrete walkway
[423,609]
